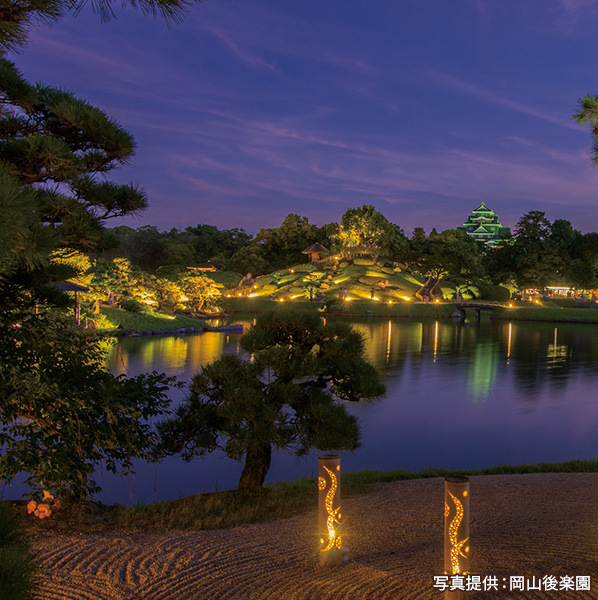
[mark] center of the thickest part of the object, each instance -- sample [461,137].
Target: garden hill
[363,279]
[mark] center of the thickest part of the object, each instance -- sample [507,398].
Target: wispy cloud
[242,53]
[454,84]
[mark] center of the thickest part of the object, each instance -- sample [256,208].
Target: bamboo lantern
[329,510]
[456,530]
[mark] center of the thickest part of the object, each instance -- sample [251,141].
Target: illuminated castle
[483,226]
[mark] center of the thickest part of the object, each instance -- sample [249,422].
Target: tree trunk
[257,463]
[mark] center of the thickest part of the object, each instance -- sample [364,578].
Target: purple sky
[424,108]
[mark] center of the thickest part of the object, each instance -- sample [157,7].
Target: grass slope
[548,312]
[147,322]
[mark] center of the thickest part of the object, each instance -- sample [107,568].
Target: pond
[459,395]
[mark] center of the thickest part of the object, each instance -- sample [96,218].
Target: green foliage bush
[229,279]
[369,280]
[290,278]
[469,294]
[18,572]
[132,305]
[343,265]
[306,268]
[489,291]
[264,280]
[365,262]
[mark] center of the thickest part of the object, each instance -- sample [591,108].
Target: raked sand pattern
[531,525]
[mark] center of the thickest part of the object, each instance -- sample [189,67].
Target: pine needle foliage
[288,395]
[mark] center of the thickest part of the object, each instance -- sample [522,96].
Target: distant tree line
[540,253]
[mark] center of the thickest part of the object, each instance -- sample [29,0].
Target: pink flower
[57,504]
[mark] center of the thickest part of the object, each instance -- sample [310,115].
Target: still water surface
[459,395]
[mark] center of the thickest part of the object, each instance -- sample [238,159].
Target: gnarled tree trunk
[257,463]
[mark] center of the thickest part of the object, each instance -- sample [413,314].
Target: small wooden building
[314,252]
[69,286]
[207,266]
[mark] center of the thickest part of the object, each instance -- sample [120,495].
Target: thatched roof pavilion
[206,266]
[70,286]
[314,252]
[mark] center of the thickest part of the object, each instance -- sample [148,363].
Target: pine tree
[288,396]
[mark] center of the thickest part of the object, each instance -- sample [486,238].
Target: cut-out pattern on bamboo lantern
[456,529]
[329,510]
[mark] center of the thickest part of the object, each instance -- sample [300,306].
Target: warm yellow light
[437,300]
[338,467]
[292,270]
[406,298]
[390,301]
[239,293]
[510,306]
[184,298]
[375,298]
[332,514]
[537,301]
[465,493]
[282,300]
[456,544]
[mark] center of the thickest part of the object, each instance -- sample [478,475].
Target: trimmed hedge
[364,262]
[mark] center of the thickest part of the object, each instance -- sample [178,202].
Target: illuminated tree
[365,226]
[201,292]
[285,397]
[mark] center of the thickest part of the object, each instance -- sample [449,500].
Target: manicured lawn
[548,313]
[148,322]
[361,308]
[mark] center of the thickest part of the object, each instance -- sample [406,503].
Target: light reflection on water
[459,395]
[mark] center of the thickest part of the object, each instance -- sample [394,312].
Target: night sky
[249,111]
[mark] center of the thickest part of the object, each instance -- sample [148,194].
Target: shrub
[307,268]
[365,262]
[264,280]
[18,572]
[132,305]
[493,292]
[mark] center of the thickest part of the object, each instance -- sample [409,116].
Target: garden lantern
[456,530]
[329,510]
